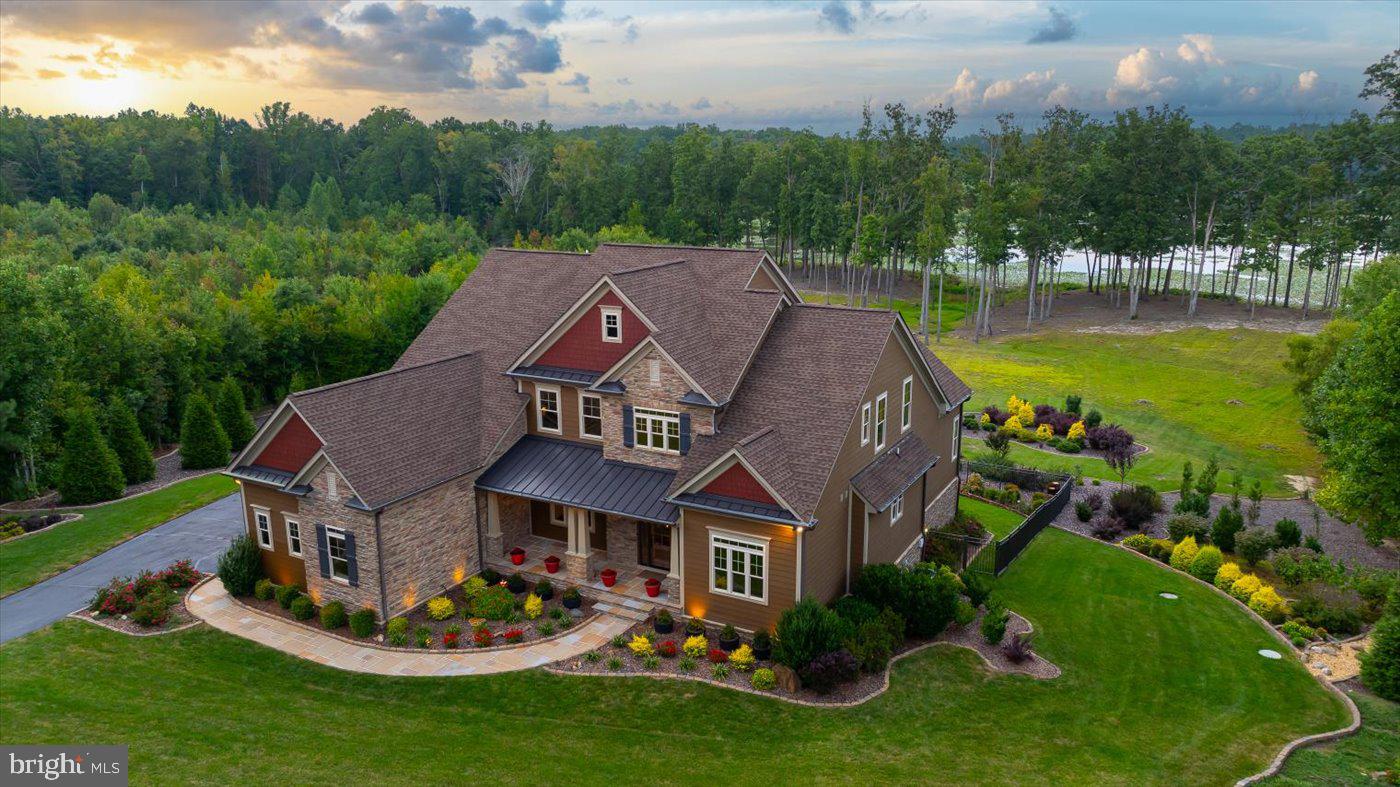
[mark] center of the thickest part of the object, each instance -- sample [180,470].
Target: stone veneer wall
[515,523]
[318,509]
[943,506]
[429,543]
[622,542]
[642,392]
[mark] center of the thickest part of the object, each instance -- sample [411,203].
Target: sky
[733,64]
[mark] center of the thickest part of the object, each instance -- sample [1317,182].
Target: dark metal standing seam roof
[560,471]
[748,508]
[555,374]
[267,475]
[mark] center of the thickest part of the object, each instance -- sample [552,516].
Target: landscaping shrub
[263,590]
[534,606]
[805,631]
[1107,526]
[494,603]
[930,600]
[965,613]
[1228,523]
[1106,438]
[1018,648]
[362,622]
[1298,565]
[1206,563]
[1072,403]
[1136,506]
[1069,447]
[240,567]
[1184,552]
[1298,633]
[1245,587]
[977,586]
[1254,545]
[994,623]
[1161,549]
[333,615]
[544,590]
[1082,511]
[1374,585]
[829,670]
[855,610]
[640,646]
[1287,533]
[1000,443]
[1268,604]
[90,471]
[742,658]
[1380,664]
[1044,432]
[719,671]
[153,609]
[441,608]
[1226,577]
[1139,542]
[763,679]
[180,574]
[132,450]
[203,442]
[974,484]
[667,648]
[872,646]
[473,587]
[117,598]
[695,646]
[717,656]
[1077,434]
[302,608]
[1183,525]
[452,637]
[286,594]
[695,627]
[1093,418]
[396,630]
[1339,610]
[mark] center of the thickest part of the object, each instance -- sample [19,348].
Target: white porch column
[576,559]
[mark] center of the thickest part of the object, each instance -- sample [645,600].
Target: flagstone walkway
[212,604]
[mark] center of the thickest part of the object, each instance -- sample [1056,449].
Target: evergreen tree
[133,452]
[1380,665]
[203,442]
[90,472]
[233,414]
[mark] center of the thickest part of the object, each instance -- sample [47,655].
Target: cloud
[623,80]
[579,80]
[839,16]
[701,103]
[542,13]
[49,73]
[94,74]
[589,12]
[1198,48]
[1030,93]
[630,33]
[1060,27]
[1307,81]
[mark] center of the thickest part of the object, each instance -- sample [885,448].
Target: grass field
[998,520]
[1351,760]
[1187,377]
[1177,695]
[38,557]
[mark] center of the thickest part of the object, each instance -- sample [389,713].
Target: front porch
[631,578]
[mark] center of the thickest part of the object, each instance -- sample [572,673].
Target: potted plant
[728,638]
[572,599]
[517,556]
[653,586]
[544,590]
[515,583]
[551,564]
[664,623]
[762,645]
[609,577]
[695,627]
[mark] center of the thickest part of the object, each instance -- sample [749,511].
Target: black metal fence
[1058,486]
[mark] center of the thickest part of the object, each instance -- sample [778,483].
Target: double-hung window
[612,324]
[740,566]
[263,519]
[897,510]
[547,410]
[590,415]
[293,536]
[658,430]
[906,407]
[339,554]
[881,406]
[865,424]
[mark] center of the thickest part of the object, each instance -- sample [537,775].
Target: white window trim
[558,409]
[287,522]
[754,543]
[266,515]
[897,509]
[654,371]
[865,424]
[957,439]
[906,405]
[330,560]
[563,514]
[581,431]
[666,417]
[882,420]
[610,311]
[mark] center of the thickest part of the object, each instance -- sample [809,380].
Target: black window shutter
[628,438]
[685,433]
[323,550]
[354,567]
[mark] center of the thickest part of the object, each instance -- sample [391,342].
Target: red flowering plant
[718,656]
[145,582]
[514,635]
[118,598]
[449,640]
[482,637]
[180,574]
[667,648]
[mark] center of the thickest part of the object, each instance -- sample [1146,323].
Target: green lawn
[1350,760]
[40,556]
[953,309]
[1187,376]
[1000,521]
[1154,692]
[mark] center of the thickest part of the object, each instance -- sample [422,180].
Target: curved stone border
[44,529]
[1277,764]
[57,509]
[82,614]
[1041,447]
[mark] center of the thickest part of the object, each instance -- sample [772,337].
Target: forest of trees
[148,256]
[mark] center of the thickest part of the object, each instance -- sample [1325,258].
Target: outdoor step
[622,610]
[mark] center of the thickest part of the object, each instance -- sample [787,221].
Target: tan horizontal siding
[279,564]
[781,569]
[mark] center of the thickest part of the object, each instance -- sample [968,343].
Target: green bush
[286,594]
[872,645]
[1092,419]
[1339,610]
[763,679]
[1287,533]
[1380,664]
[264,590]
[1298,633]
[90,471]
[1254,545]
[233,414]
[203,442]
[925,599]
[880,585]
[1082,511]
[1299,565]
[1139,542]
[806,631]
[153,609]
[362,622]
[302,608]
[1161,549]
[994,623]
[855,610]
[132,450]
[240,567]
[1228,522]
[977,586]
[396,630]
[1206,563]
[965,613]
[493,603]
[1136,506]
[1183,525]
[333,615]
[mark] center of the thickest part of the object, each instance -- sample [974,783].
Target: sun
[123,90]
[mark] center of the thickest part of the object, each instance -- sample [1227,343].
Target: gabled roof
[892,472]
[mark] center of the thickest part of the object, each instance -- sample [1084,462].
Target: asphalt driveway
[201,535]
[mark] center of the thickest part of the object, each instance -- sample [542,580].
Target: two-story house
[668,412]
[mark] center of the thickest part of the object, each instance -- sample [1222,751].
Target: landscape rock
[787,678]
[1235,402]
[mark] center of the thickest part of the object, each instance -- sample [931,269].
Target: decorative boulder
[787,678]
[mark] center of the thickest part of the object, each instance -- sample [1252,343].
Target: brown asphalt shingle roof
[892,472]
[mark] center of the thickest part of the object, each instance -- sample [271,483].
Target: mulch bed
[36,522]
[1093,453]
[180,618]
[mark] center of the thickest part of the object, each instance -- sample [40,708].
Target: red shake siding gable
[291,447]
[582,345]
[736,482]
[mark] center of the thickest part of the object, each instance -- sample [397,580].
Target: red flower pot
[609,577]
[653,586]
[517,556]
[551,564]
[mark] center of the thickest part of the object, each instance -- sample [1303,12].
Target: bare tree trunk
[1307,292]
[939,330]
[1032,268]
[923,304]
[1288,284]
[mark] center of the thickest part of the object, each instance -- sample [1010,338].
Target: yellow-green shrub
[1206,563]
[441,608]
[1183,553]
[1013,425]
[1044,432]
[473,587]
[1226,577]
[1245,587]
[696,646]
[1268,604]
[974,483]
[640,646]
[1076,431]
[742,658]
[985,419]
[534,607]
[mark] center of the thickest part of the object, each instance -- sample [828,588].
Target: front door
[654,545]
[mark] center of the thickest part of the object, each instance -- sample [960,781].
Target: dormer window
[612,324]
